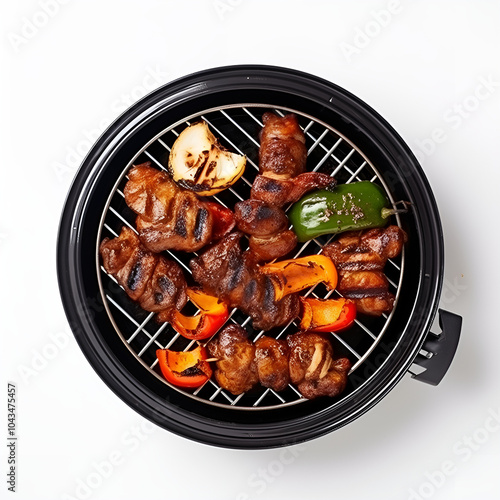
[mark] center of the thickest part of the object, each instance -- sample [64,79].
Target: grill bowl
[118,338]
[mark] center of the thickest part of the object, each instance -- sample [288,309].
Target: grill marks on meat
[169,217]
[155,282]
[360,258]
[257,218]
[267,226]
[282,162]
[282,146]
[227,272]
[367,250]
[281,180]
[312,367]
[200,223]
[304,359]
[236,370]
[281,191]
[271,359]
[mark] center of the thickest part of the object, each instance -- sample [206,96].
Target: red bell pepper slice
[185,368]
[327,315]
[213,314]
[223,218]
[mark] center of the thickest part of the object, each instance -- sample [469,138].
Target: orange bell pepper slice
[327,315]
[213,314]
[294,275]
[185,368]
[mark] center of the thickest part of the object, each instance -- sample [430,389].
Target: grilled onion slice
[198,162]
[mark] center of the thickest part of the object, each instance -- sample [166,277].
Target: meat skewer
[282,179]
[152,280]
[312,367]
[170,217]
[267,226]
[232,275]
[360,257]
[282,161]
[305,359]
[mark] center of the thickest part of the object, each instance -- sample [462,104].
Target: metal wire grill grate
[237,128]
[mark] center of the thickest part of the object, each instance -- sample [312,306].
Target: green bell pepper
[358,205]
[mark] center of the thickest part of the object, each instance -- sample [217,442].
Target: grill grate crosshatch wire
[237,128]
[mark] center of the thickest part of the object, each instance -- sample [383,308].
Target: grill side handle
[441,348]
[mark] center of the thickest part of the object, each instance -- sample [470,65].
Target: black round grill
[345,139]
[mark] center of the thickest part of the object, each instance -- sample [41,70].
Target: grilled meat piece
[267,226]
[271,358]
[332,384]
[360,257]
[169,217]
[282,162]
[282,146]
[366,250]
[227,272]
[368,289]
[364,283]
[310,356]
[236,370]
[266,249]
[258,218]
[305,359]
[155,282]
[375,306]
[312,367]
[281,191]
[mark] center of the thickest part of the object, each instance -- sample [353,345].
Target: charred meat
[304,359]
[227,272]
[155,282]
[283,191]
[274,247]
[267,226]
[313,368]
[258,218]
[360,258]
[169,217]
[281,180]
[282,146]
[282,161]
[236,370]
[271,358]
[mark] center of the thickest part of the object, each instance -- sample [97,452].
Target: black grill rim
[168,410]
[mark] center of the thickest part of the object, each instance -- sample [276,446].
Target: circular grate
[237,127]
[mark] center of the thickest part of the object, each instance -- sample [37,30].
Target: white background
[432,69]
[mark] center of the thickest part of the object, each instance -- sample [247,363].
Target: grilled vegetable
[293,275]
[354,206]
[185,369]
[213,314]
[223,219]
[330,315]
[198,162]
